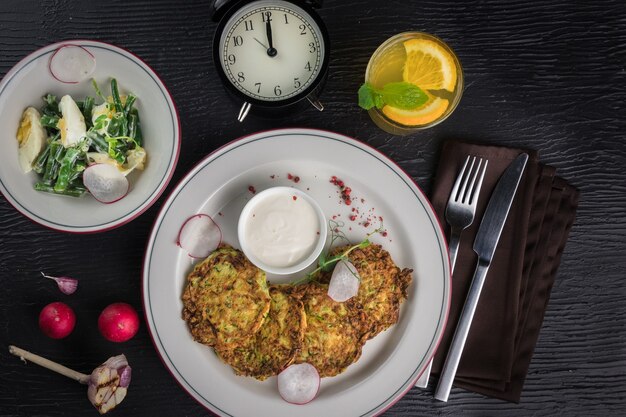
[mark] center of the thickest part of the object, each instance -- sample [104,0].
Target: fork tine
[466,175]
[480,182]
[470,190]
[455,187]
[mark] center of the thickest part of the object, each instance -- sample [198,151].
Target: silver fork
[460,213]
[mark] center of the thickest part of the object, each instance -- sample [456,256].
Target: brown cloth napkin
[513,300]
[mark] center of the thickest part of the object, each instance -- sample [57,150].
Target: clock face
[271,50]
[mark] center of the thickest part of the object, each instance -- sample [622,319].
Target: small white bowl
[30,79]
[308,259]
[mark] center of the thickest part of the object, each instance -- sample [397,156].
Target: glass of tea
[413,81]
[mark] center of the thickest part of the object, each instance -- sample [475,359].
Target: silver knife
[485,244]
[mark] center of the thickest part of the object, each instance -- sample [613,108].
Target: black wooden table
[546,75]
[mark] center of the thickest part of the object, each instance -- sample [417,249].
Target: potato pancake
[226,299]
[382,290]
[276,344]
[333,338]
[259,331]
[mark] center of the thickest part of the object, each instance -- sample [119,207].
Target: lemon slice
[429,65]
[425,114]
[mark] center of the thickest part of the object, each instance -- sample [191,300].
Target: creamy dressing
[282,229]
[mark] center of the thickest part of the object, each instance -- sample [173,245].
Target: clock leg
[316,103]
[244,111]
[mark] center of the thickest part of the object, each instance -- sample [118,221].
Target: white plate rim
[163,183]
[437,226]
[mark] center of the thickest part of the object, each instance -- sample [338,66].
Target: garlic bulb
[108,383]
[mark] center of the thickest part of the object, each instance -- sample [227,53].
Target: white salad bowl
[25,85]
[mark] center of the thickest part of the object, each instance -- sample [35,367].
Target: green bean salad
[66,136]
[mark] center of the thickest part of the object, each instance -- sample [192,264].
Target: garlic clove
[67,285]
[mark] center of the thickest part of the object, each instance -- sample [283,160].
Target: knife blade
[485,245]
[498,208]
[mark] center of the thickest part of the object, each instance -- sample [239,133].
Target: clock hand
[261,43]
[271,51]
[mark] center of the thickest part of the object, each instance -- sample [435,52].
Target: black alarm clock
[272,55]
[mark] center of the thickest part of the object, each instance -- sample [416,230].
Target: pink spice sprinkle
[294,198]
[293,178]
[252,189]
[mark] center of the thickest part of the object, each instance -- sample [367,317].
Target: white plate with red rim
[25,85]
[220,185]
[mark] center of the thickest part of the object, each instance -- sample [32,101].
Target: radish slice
[199,236]
[344,283]
[299,384]
[71,64]
[105,182]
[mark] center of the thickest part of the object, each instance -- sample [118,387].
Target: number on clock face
[248,61]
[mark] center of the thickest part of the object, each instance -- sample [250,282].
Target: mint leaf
[403,95]
[366,96]
[370,97]
[379,101]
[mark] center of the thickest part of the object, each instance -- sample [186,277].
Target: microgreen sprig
[326,262]
[97,89]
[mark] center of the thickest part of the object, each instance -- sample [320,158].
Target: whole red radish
[118,322]
[57,320]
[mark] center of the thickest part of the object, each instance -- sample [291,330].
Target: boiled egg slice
[31,138]
[72,124]
[135,159]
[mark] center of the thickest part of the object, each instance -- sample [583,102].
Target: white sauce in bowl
[281,228]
